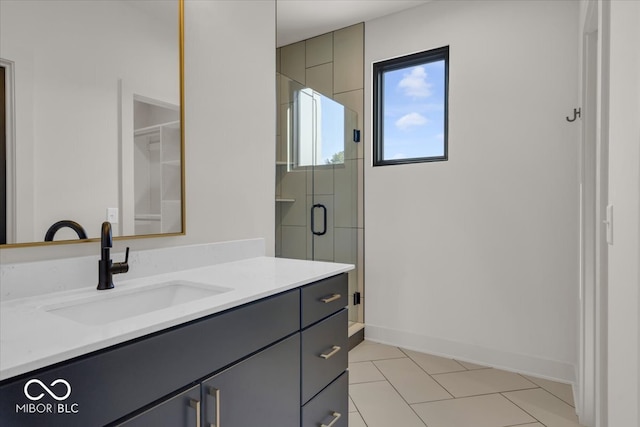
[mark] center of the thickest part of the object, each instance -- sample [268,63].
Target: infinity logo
[47,389]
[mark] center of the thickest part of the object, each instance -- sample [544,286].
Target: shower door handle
[324,220]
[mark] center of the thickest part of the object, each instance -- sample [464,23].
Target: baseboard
[356,338]
[524,364]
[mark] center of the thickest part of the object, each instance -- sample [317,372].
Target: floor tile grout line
[549,391]
[428,374]
[527,424]
[419,367]
[464,368]
[357,411]
[546,391]
[530,414]
[477,395]
[439,400]
[400,394]
[376,360]
[361,417]
[401,397]
[438,373]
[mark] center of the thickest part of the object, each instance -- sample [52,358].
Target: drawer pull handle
[195,404]
[332,298]
[334,350]
[336,417]
[216,395]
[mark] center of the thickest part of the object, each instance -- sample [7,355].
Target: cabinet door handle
[336,417]
[334,350]
[195,404]
[332,298]
[216,395]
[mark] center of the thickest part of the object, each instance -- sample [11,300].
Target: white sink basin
[112,305]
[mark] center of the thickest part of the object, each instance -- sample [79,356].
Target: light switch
[112,215]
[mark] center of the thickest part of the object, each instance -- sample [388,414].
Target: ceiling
[302,19]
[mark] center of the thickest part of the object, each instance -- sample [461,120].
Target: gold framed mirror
[94,119]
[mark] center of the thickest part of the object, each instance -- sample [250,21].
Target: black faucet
[48,237]
[106,267]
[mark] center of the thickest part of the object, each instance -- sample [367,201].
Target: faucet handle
[121,267]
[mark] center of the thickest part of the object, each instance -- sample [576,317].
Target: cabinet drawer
[324,353]
[323,298]
[331,405]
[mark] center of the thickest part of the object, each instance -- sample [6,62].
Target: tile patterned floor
[393,387]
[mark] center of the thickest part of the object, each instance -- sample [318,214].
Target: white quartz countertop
[32,338]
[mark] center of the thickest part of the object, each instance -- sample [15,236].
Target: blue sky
[414,112]
[332,129]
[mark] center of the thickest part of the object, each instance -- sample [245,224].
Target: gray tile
[434,364]
[346,198]
[364,372]
[320,180]
[413,384]
[548,409]
[319,50]
[491,410]
[381,406]
[560,390]
[320,79]
[346,247]
[368,350]
[294,242]
[482,381]
[348,58]
[292,61]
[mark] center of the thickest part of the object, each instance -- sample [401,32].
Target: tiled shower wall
[332,64]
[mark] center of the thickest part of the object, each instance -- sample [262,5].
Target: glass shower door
[320,180]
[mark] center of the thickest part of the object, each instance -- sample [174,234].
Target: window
[410,101]
[320,123]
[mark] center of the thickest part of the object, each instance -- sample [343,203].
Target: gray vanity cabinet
[263,390]
[277,361]
[260,390]
[181,410]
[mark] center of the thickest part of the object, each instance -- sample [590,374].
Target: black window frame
[379,69]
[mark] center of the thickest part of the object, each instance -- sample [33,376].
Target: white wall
[624,194]
[230,130]
[477,257]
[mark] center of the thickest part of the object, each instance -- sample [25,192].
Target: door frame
[591,393]
[10,145]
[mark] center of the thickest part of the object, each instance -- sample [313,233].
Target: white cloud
[415,83]
[410,120]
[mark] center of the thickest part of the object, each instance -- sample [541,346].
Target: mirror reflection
[92,118]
